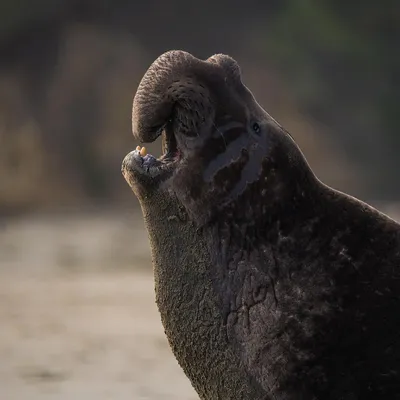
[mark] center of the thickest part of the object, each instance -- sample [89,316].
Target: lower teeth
[142,150]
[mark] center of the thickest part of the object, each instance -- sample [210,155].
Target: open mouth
[141,162]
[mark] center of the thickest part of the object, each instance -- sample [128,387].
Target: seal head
[217,140]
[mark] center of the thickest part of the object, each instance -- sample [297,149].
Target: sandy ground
[77,320]
[77,312]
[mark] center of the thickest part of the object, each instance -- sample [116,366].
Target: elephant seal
[270,284]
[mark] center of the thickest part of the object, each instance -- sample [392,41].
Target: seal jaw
[140,168]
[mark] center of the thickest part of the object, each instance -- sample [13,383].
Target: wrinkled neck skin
[186,299]
[210,333]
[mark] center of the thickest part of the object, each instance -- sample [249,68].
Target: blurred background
[77,311]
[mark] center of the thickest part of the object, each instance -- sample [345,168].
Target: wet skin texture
[270,284]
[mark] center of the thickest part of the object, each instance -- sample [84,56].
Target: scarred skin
[270,284]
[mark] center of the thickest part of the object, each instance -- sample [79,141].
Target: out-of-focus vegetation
[342,60]
[327,70]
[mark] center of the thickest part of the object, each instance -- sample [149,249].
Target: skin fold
[270,284]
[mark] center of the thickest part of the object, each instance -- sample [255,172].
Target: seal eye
[256,128]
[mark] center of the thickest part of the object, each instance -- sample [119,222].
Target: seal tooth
[143,151]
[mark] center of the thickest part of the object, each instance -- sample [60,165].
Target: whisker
[222,135]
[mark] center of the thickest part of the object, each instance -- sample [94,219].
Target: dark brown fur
[270,284]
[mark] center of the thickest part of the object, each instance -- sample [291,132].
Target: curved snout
[177,89]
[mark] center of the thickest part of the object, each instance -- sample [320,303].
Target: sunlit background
[77,312]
